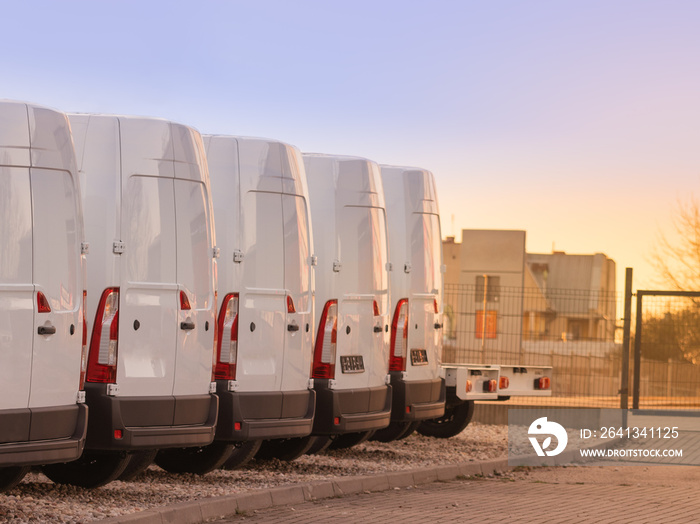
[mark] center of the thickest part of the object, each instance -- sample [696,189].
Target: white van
[151,292]
[351,352]
[43,417]
[415,243]
[266,286]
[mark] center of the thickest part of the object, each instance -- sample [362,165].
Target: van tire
[198,460]
[286,449]
[412,427]
[11,476]
[453,422]
[320,444]
[242,453]
[348,440]
[91,470]
[138,463]
[394,431]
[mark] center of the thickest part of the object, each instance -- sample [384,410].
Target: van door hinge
[85,248]
[407,268]
[389,266]
[216,252]
[443,268]
[80,398]
[314,260]
[238,256]
[118,248]
[112,390]
[337,266]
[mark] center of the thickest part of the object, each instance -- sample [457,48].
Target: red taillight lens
[83,352]
[503,383]
[490,386]
[184,302]
[326,342]
[399,337]
[468,388]
[542,383]
[42,304]
[376,308]
[290,305]
[227,350]
[435,305]
[102,358]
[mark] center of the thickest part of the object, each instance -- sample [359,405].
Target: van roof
[420,186]
[35,136]
[147,142]
[357,180]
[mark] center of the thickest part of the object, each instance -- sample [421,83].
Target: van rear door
[17,302]
[425,302]
[194,276]
[149,297]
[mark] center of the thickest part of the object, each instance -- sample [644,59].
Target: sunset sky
[577,121]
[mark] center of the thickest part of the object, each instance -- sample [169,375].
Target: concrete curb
[199,511]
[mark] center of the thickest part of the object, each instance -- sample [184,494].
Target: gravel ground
[38,499]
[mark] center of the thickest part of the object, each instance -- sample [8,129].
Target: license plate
[419,357]
[352,364]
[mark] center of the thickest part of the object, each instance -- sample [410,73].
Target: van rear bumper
[354,410]
[42,435]
[416,399]
[149,422]
[261,415]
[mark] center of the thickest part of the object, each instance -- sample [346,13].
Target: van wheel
[199,460]
[320,444]
[413,426]
[394,431]
[242,453]
[91,470]
[284,448]
[11,476]
[138,463]
[453,422]
[348,440]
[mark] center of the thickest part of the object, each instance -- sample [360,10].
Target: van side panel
[149,292]
[195,277]
[57,237]
[16,287]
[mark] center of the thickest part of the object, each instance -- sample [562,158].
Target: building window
[489,286]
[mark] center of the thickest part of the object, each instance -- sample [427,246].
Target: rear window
[363,251]
[426,253]
[15,226]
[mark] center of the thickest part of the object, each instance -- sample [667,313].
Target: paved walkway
[631,494]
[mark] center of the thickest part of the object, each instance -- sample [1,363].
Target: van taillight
[83,352]
[290,305]
[227,351]
[184,302]
[326,342]
[42,304]
[399,337]
[102,358]
[435,306]
[376,308]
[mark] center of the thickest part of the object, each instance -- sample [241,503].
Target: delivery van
[266,287]
[415,243]
[351,353]
[151,293]
[43,417]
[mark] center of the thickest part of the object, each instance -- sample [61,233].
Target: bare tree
[676,255]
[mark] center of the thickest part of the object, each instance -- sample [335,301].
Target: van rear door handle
[377,329]
[438,325]
[292,327]
[187,326]
[46,330]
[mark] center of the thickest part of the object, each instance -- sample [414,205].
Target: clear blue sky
[577,120]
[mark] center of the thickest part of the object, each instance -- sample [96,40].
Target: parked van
[151,292]
[43,417]
[351,354]
[266,288]
[415,243]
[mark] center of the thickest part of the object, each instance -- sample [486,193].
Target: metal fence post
[625,372]
[637,352]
